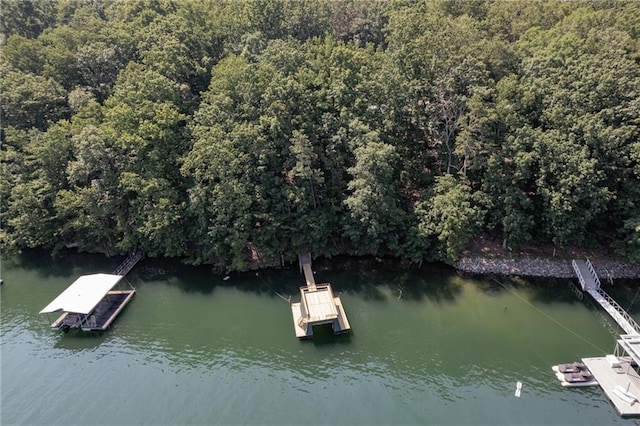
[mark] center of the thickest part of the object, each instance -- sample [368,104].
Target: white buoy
[518,389]
[226,278]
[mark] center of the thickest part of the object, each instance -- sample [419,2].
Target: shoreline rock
[545,268]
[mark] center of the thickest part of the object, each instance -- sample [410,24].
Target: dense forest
[221,131]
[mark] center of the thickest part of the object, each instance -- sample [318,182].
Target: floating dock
[619,381]
[92,302]
[617,374]
[318,305]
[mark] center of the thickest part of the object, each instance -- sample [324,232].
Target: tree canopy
[220,130]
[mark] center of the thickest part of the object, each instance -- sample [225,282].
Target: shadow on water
[541,290]
[203,279]
[190,279]
[46,264]
[626,293]
[438,288]
[367,277]
[363,276]
[323,336]
[80,340]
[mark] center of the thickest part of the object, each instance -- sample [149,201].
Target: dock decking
[610,378]
[318,305]
[101,318]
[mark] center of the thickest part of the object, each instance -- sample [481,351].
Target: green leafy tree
[30,100]
[375,217]
[453,214]
[27,18]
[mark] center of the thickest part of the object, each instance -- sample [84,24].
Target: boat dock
[616,374]
[590,283]
[317,306]
[92,302]
[619,381]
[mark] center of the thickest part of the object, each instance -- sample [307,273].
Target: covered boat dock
[91,303]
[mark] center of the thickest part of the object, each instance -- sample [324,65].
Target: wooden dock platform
[318,305]
[613,378]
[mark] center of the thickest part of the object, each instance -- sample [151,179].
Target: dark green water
[194,349]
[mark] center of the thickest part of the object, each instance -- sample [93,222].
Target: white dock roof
[631,344]
[84,294]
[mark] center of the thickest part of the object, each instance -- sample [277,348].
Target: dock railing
[580,278]
[593,273]
[620,310]
[128,264]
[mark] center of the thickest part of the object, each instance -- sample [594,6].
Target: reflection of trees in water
[366,277]
[63,264]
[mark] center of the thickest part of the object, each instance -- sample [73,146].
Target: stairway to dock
[590,283]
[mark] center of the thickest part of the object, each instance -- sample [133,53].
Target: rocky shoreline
[545,268]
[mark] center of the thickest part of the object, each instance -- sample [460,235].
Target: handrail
[128,264]
[583,284]
[593,272]
[620,310]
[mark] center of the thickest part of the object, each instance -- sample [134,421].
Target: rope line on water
[550,317]
[634,299]
[288,300]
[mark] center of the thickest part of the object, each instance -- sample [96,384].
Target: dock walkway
[590,283]
[616,374]
[128,264]
[318,305]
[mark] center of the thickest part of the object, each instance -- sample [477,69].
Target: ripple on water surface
[212,353]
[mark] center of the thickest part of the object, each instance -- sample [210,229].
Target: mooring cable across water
[633,300]
[550,317]
[288,300]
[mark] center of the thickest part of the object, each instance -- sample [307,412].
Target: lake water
[428,347]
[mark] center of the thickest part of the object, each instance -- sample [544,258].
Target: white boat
[574,375]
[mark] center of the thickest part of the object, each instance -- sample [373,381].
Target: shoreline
[544,268]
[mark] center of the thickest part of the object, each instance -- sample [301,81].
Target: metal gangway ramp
[128,264]
[590,283]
